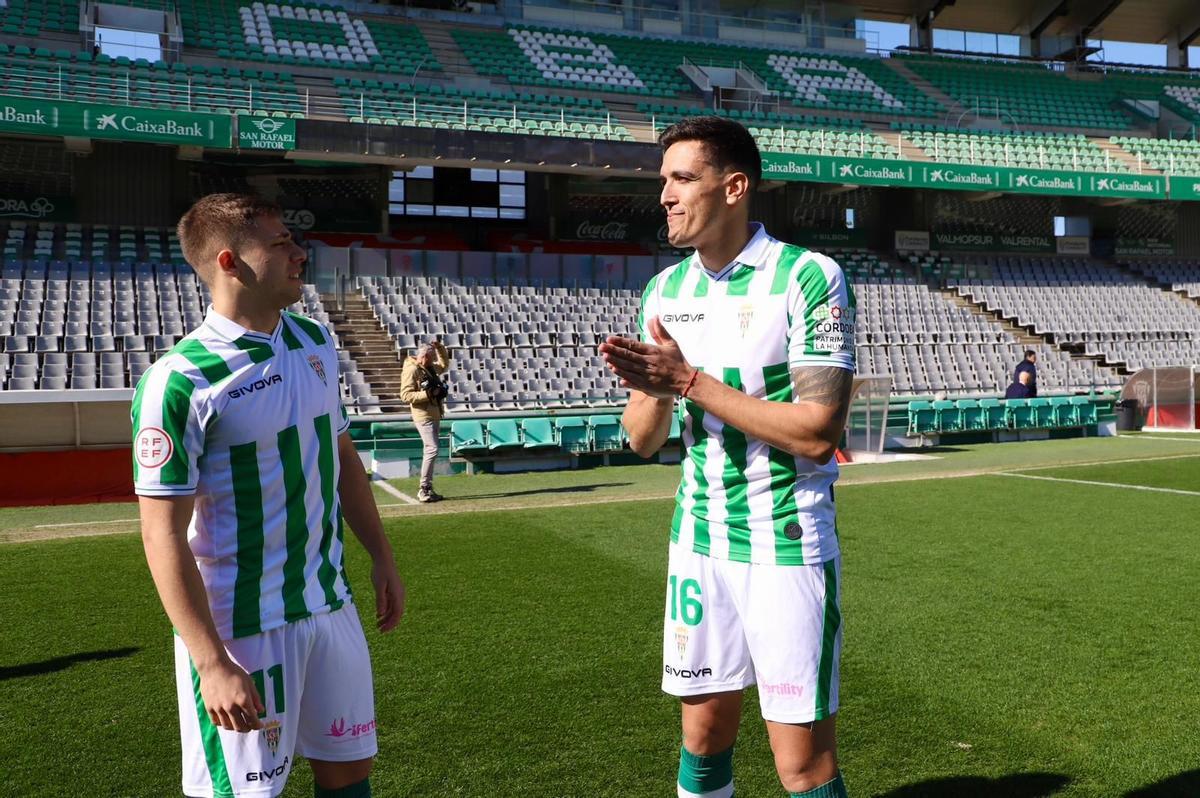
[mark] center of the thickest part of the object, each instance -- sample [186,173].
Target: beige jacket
[423,408]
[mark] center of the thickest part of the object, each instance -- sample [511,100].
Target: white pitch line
[386,488]
[1152,437]
[1112,462]
[1101,484]
[86,523]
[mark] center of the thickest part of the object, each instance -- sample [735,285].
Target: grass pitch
[1005,637]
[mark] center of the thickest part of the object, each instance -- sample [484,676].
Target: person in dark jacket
[1020,388]
[1027,366]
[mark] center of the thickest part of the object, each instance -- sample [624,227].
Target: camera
[434,388]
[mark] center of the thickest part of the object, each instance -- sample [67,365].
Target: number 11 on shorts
[276,674]
[685,600]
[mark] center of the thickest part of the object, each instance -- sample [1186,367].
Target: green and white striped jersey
[775,307]
[248,422]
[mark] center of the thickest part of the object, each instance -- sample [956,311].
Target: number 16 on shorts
[684,614]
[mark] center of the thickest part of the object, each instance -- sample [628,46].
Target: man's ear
[737,185]
[227,262]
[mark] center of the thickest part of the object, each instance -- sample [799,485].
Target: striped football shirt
[774,308]
[248,423]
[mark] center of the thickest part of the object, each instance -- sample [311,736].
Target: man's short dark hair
[1029,353]
[217,221]
[728,144]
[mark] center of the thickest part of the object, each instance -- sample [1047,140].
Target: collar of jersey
[755,254]
[231,330]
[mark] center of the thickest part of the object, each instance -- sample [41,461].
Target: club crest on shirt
[270,733]
[745,316]
[317,365]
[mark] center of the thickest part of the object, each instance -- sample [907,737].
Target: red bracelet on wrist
[691,382]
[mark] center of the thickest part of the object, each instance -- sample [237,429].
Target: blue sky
[890,35]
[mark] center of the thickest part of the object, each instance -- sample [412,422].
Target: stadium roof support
[924,20]
[1142,21]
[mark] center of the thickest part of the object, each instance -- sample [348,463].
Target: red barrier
[77,476]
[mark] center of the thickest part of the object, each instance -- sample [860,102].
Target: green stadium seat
[1063,411]
[921,418]
[606,433]
[971,414]
[467,437]
[502,433]
[1087,410]
[538,433]
[1042,412]
[949,419]
[995,414]
[1020,414]
[572,433]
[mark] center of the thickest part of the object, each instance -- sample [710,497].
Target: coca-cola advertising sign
[587,230]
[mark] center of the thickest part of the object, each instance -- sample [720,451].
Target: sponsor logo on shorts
[270,733]
[340,730]
[268,775]
[686,673]
[781,689]
[153,447]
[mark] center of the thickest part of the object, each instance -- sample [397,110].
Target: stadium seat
[467,437]
[538,433]
[921,418]
[971,415]
[1021,415]
[1042,412]
[606,433]
[949,419]
[1086,410]
[995,413]
[1063,412]
[573,434]
[502,434]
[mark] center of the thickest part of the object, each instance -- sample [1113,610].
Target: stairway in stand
[372,349]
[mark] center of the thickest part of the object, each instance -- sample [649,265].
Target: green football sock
[834,788]
[361,789]
[705,776]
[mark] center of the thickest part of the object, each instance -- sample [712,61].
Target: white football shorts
[728,625]
[314,677]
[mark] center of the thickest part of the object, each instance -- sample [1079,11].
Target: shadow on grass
[1181,784]
[1014,785]
[62,663]
[566,489]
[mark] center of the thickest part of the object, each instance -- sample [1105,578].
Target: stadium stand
[1073,151]
[484,111]
[84,77]
[516,346]
[1173,156]
[1086,305]
[1026,94]
[1182,277]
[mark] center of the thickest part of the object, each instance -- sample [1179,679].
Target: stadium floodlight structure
[1166,396]
[866,423]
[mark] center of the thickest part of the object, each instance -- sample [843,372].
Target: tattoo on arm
[826,385]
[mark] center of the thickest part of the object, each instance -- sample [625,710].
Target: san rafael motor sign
[88,120]
[266,133]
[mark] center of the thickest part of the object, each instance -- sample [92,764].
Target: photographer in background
[425,393]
